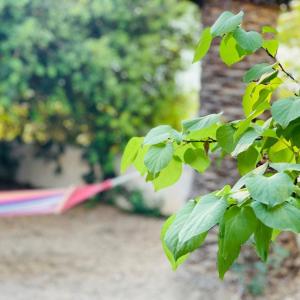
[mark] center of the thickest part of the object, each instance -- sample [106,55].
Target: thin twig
[282,68]
[210,140]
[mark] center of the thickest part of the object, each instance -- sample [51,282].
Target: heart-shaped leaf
[249,41]
[270,190]
[285,216]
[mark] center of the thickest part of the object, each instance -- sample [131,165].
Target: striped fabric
[52,201]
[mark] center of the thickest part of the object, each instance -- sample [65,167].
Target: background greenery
[91,73]
[289,35]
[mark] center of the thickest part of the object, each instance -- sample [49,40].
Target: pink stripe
[25,195]
[82,193]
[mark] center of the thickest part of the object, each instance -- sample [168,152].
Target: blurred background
[78,78]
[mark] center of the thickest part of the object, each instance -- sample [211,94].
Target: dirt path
[94,254]
[100,254]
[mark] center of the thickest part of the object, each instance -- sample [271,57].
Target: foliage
[90,73]
[266,199]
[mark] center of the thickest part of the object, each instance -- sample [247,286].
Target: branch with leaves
[266,199]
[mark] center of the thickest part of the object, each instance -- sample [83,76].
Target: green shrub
[90,73]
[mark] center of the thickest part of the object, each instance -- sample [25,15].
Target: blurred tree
[289,34]
[89,72]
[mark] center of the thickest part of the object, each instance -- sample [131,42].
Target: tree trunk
[222,87]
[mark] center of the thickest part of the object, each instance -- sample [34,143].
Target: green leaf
[190,245]
[158,157]
[268,77]
[160,134]
[174,263]
[292,132]
[139,160]
[227,22]
[242,181]
[281,167]
[262,237]
[280,151]
[256,99]
[205,215]
[257,71]
[246,140]
[269,29]
[284,217]
[230,52]
[236,227]
[203,45]
[130,152]
[197,159]
[247,160]
[286,110]
[249,41]
[171,237]
[168,175]
[200,123]
[271,45]
[270,190]
[225,134]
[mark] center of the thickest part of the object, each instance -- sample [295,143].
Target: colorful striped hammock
[52,201]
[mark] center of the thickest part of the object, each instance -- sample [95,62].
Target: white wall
[41,173]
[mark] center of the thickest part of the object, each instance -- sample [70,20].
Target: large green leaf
[169,175]
[227,22]
[257,71]
[197,159]
[262,237]
[160,134]
[203,45]
[249,41]
[246,140]
[171,238]
[200,123]
[281,167]
[205,215]
[174,263]
[236,227]
[284,217]
[158,157]
[270,190]
[286,110]
[130,152]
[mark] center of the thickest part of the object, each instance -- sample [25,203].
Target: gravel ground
[100,254]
